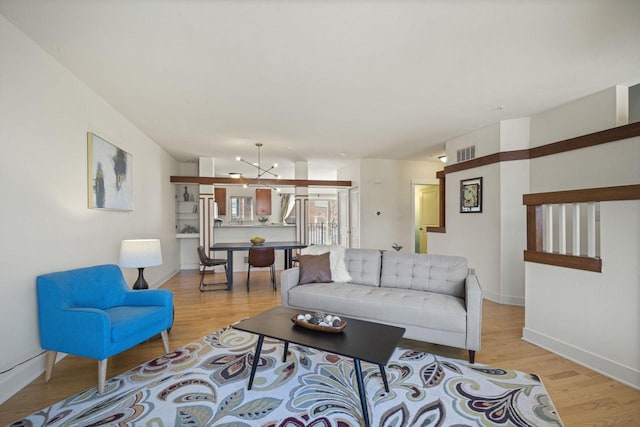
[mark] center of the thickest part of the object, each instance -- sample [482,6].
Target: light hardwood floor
[582,397]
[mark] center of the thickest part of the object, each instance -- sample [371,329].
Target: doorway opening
[426,214]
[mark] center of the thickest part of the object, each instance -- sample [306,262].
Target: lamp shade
[140,253]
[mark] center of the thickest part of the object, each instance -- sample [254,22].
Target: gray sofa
[432,296]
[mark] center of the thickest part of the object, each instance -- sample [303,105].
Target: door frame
[414,184]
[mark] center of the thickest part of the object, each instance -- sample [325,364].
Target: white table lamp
[140,253]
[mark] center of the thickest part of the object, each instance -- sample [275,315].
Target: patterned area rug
[205,384]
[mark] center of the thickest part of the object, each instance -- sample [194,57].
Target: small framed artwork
[110,177]
[471,195]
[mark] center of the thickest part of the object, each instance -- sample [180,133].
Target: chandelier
[260,171]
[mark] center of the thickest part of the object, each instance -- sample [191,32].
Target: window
[323,221]
[241,208]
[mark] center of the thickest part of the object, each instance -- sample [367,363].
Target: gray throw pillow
[314,268]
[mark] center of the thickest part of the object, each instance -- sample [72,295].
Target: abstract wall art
[110,175]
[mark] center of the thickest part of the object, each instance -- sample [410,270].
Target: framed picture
[110,177]
[471,195]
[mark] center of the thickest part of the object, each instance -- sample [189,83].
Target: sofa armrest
[473,302]
[288,279]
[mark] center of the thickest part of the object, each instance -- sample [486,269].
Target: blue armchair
[91,312]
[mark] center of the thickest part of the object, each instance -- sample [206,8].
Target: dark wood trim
[203,180]
[502,156]
[602,194]
[570,261]
[442,193]
[534,228]
[602,137]
[589,140]
[436,230]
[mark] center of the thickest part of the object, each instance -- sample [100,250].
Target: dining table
[230,247]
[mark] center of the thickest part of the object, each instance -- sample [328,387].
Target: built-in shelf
[187,205]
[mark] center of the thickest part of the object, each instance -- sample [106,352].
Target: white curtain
[286,206]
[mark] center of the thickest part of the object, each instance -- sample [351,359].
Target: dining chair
[262,257]
[206,261]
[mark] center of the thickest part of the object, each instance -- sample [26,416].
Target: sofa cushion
[400,306]
[314,268]
[363,266]
[423,272]
[339,271]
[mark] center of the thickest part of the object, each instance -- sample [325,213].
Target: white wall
[486,140]
[514,182]
[514,179]
[592,318]
[492,241]
[599,166]
[351,172]
[583,116]
[475,236]
[45,113]
[386,187]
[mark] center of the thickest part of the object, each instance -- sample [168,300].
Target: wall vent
[467,153]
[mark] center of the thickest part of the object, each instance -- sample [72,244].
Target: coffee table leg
[286,350]
[384,378]
[256,360]
[363,397]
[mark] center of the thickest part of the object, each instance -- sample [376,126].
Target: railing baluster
[576,229]
[591,229]
[548,229]
[562,228]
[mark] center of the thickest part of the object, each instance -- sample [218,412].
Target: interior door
[343,217]
[429,208]
[354,218]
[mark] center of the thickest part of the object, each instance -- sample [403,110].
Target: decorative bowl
[263,219]
[257,241]
[306,324]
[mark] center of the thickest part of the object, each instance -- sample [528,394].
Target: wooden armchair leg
[165,340]
[50,362]
[102,374]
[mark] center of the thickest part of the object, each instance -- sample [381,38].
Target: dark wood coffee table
[360,340]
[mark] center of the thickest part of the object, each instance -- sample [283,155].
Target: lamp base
[140,283]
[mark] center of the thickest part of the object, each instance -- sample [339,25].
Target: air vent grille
[467,153]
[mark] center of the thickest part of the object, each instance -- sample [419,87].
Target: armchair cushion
[127,321]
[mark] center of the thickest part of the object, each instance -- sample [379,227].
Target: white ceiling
[328,81]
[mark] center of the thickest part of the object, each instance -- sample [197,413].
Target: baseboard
[609,368]
[23,375]
[162,280]
[501,299]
